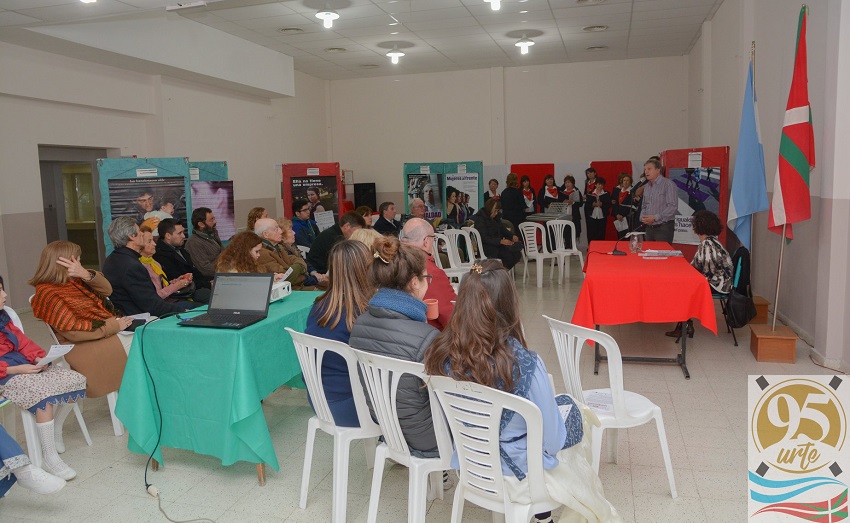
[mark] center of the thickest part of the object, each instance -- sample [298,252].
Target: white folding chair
[382,375]
[456,236]
[111,398]
[311,351]
[556,230]
[478,244]
[28,418]
[616,408]
[304,250]
[538,253]
[474,413]
[451,272]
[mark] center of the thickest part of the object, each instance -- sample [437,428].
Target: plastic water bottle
[639,243]
[633,244]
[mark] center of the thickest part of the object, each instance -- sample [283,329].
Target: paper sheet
[600,401]
[565,411]
[56,352]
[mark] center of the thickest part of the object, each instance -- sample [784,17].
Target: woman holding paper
[74,302]
[623,205]
[37,388]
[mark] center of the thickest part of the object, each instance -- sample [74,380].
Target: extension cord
[153,491]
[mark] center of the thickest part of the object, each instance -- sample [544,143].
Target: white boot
[34,479]
[60,415]
[52,462]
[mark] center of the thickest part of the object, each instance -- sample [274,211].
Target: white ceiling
[437,35]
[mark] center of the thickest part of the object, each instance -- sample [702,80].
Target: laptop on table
[238,300]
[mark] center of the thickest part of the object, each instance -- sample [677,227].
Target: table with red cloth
[629,289]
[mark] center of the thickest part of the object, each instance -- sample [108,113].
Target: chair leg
[339,495]
[369,445]
[435,485]
[117,426]
[596,446]
[516,513]
[377,480]
[83,427]
[612,445]
[312,427]
[539,272]
[665,451]
[417,493]
[457,505]
[31,435]
[499,517]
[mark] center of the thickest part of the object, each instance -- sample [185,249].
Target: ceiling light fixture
[327,16]
[494,4]
[395,54]
[88,1]
[524,43]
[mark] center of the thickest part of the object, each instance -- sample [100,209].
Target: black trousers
[661,233]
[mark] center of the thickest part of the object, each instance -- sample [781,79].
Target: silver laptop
[238,300]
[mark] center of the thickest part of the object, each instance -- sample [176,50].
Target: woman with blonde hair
[74,302]
[366,236]
[332,317]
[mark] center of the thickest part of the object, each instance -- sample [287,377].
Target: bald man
[419,233]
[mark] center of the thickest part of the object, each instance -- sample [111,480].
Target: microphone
[631,233]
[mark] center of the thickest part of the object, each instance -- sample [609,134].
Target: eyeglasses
[305,209]
[428,277]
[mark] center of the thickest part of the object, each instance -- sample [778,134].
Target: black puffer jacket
[389,333]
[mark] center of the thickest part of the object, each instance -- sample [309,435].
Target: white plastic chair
[311,351]
[28,418]
[456,236]
[111,398]
[538,253]
[556,230]
[616,408]
[451,272]
[476,239]
[304,250]
[381,375]
[474,412]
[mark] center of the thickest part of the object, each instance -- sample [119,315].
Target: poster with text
[429,189]
[467,185]
[218,197]
[698,189]
[319,191]
[143,198]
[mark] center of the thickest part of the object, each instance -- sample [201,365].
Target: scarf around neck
[5,320]
[401,302]
[157,268]
[71,306]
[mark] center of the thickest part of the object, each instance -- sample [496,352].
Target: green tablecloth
[210,382]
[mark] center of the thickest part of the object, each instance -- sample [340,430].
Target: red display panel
[323,180]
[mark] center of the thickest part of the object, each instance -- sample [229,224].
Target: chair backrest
[476,237]
[529,232]
[311,350]
[474,413]
[304,250]
[556,229]
[381,376]
[741,268]
[569,341]
[47,326]
[439,237]
[16,320]
[455,236]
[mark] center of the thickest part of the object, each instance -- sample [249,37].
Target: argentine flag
[749,191]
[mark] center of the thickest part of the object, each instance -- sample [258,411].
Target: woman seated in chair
[394,325]
[164,288]
[484,343]
[242,254]
[275,258]
[498,241]
[74,302]
[15,466]
[290,247]
[711,259]
[43,390]
[332,317]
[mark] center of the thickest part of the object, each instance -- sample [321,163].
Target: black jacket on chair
[174,266]
[133,291]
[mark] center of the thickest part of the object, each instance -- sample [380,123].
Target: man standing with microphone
[660,203]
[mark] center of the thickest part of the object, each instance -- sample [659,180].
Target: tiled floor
[705,420]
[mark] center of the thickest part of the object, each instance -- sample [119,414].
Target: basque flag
[791,199]
[749,190]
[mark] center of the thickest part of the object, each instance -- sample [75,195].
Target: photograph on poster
[699,188]
[143,198]
[467,185]
[218,197]
[320,193]
[429,189]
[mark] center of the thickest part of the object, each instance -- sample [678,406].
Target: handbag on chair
[740,309]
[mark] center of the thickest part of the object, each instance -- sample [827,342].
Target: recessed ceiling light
[596,48]
[290,30]
[523,12]
[88,1]
[594,28]
[394,23]
[333,50]
[394,33]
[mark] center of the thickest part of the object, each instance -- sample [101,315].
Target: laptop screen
[242,292]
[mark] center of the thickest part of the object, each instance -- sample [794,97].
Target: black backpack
[740,308]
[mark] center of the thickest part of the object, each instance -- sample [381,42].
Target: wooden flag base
[778,346]
[761,310]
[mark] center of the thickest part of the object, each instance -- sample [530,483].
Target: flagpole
[778,277]
[752,216]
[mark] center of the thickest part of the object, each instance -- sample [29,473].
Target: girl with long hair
[241,254]
[484,343]
[255,214]
[332,317]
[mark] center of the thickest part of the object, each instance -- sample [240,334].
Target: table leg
[683,362]
[154,465]
[261,474]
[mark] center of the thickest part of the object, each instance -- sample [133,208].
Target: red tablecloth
[629,289]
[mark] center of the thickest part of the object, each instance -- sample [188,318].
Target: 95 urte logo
[797,448]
